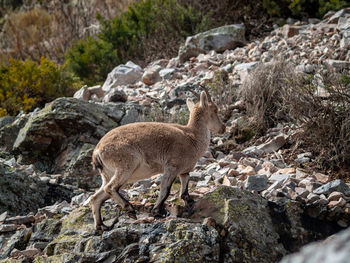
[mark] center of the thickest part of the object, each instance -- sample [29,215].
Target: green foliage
[92,59]
[26,85]
[145,25]
[300,8]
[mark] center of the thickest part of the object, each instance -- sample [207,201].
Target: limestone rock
[335,249]
[218,39]
[123,75]
[336,185]
[151,75]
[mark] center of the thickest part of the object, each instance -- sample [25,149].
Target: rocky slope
[251,206]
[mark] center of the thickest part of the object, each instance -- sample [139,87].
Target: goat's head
[210,110]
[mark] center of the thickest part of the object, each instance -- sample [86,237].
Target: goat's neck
[199,126]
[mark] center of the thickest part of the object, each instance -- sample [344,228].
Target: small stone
[229,181]
[3,217]
[256,182]
[300,174]
[233,172]
[279,177]
[273,144]
[274,186]
[302,192]
[340,203]
[312,197]
[29,253]
[7,228]
[335,196]
[286,171]
[82,94]
[248,171]
[322,178]
[290,30]
[19,220]
[312,186]
[209,221]
[336,185]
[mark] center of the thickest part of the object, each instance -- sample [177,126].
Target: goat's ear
[204,100]
[190,104]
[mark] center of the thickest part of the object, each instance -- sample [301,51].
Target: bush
[26,85]
[302,8]
[148,29]
[262,94]
[275,93]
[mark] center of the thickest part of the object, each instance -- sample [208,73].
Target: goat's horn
[195,94]
[207,92]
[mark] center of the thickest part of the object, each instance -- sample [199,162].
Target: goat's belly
[145,171]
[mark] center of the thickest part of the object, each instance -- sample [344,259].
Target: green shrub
[26,85]
[302,8]
[148,29]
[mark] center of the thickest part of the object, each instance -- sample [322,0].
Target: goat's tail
[97,164]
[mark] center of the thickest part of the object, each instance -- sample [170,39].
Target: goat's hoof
[159,213]
[132,214]
[99,229]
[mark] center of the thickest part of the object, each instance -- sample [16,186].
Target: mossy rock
[251,234]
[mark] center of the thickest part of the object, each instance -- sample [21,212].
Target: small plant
[26,85]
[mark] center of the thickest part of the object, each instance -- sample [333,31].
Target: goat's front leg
[184,179]
[165,187]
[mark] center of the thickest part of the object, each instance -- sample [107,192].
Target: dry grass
[275,93]
[51,28]
[262,94]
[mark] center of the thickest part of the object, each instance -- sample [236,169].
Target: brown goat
[140,150]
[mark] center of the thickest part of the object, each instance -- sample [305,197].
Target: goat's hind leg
[112,189]
[96,202]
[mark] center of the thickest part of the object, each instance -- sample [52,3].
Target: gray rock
[246,66]
[335,249]
[240,211]
[167,73]
[8,133]
[131,115]
[82,94]
[338,64]
[60,138]
[344,24]
[123,75]
[19,192]
[115,95]
[256,182]
[151,75]
[6,120]
[218,39]
[333,186]
[273,144]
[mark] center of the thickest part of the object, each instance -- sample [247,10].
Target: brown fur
[139,150]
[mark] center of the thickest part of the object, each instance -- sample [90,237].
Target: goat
[140,150]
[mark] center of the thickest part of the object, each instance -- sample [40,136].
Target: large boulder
[335,249]
[61,137]
[218,39]
[171,241]
[251,235]
[129,73]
